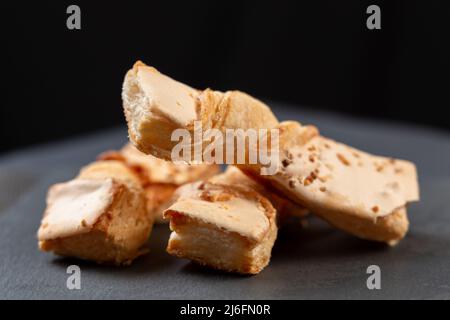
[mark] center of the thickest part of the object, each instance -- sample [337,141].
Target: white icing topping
[242,216]
[335,175]
[172,98]
[74,207]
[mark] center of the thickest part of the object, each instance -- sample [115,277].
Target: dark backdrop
[317,54]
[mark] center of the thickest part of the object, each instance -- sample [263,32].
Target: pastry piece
[231,228]
[360,193]
[159,178]
[355,199]
[152,170]
[155,105]
[159,197]
[101,215]
[284,206]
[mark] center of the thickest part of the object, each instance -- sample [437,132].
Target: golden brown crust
[389,229]
[233,110]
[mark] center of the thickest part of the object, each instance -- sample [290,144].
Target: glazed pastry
[370,204]
[230,228]
[155,105]
[360,193]
[101,215]
[159,178]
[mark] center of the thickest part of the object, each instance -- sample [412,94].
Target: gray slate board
[317,262]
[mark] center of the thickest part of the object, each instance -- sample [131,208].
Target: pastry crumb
[343,159]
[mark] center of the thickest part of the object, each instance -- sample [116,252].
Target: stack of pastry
[229,221]
[159,178]
[107,212]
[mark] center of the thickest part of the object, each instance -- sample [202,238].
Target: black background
[315,54]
